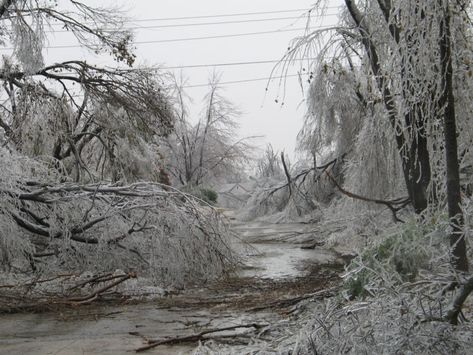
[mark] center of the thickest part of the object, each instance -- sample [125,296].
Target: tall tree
[413,60]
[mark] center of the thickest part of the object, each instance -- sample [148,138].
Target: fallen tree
[154,230]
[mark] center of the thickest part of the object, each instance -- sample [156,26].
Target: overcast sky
[261,114]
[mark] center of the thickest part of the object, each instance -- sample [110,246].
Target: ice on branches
[149,228]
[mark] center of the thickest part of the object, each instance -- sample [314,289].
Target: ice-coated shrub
[208,195]
[401,253]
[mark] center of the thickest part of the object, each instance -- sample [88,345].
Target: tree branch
[393,205]
[459,300]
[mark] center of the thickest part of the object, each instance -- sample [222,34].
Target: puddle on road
[282,260]
[107,329]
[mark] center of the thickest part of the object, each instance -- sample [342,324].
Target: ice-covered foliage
[96,123]
[396,298]
[102,139]
[27,22]
[28,38]
[334,112]
[392,323]
[341,124]
[156,231]
[375,96]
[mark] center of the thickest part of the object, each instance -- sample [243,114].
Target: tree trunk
[414,155]
[447,101]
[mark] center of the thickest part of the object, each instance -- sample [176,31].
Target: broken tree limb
[457,304]
[94,295]
[195,337]
[286,172]
[286,302]
[394,205]
[303,174]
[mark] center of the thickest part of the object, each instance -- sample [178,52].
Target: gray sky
[261,114]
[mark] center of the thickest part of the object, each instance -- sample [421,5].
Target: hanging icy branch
[287,173]
[135,90]
[394,205]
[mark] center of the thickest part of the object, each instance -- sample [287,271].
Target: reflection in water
[282,260]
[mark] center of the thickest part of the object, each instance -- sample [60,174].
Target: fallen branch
[195,337]
[96,279]
[457,304]
[286,302]
[94,295]
[394,205]
[303,174]
[39,303]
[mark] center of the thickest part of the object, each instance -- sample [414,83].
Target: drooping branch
[121,219]
[286,172]
[303,174]
[95,28]
[394,205]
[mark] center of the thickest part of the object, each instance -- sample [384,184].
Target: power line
[206,23]
[243,81]
[216,15]
[230,15]
[255,62]
[200,38]
[219,15]
[225,22]
[188,38]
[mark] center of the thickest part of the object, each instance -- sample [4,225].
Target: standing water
[273,271]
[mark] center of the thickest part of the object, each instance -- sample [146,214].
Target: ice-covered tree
[404,67]
[68,112]
[205,151]
[81,166]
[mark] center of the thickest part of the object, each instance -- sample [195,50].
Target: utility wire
[206,23]
[243,81]
[230,15]
[221,36]
[220,15]
[200,38]
[227,22]
[255,62]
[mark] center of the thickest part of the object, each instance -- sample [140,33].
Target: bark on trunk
[447,100]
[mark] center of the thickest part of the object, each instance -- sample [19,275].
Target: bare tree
[206,151]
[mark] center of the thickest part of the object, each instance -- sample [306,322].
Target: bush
[205,194]
[208,195]
[395,257]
